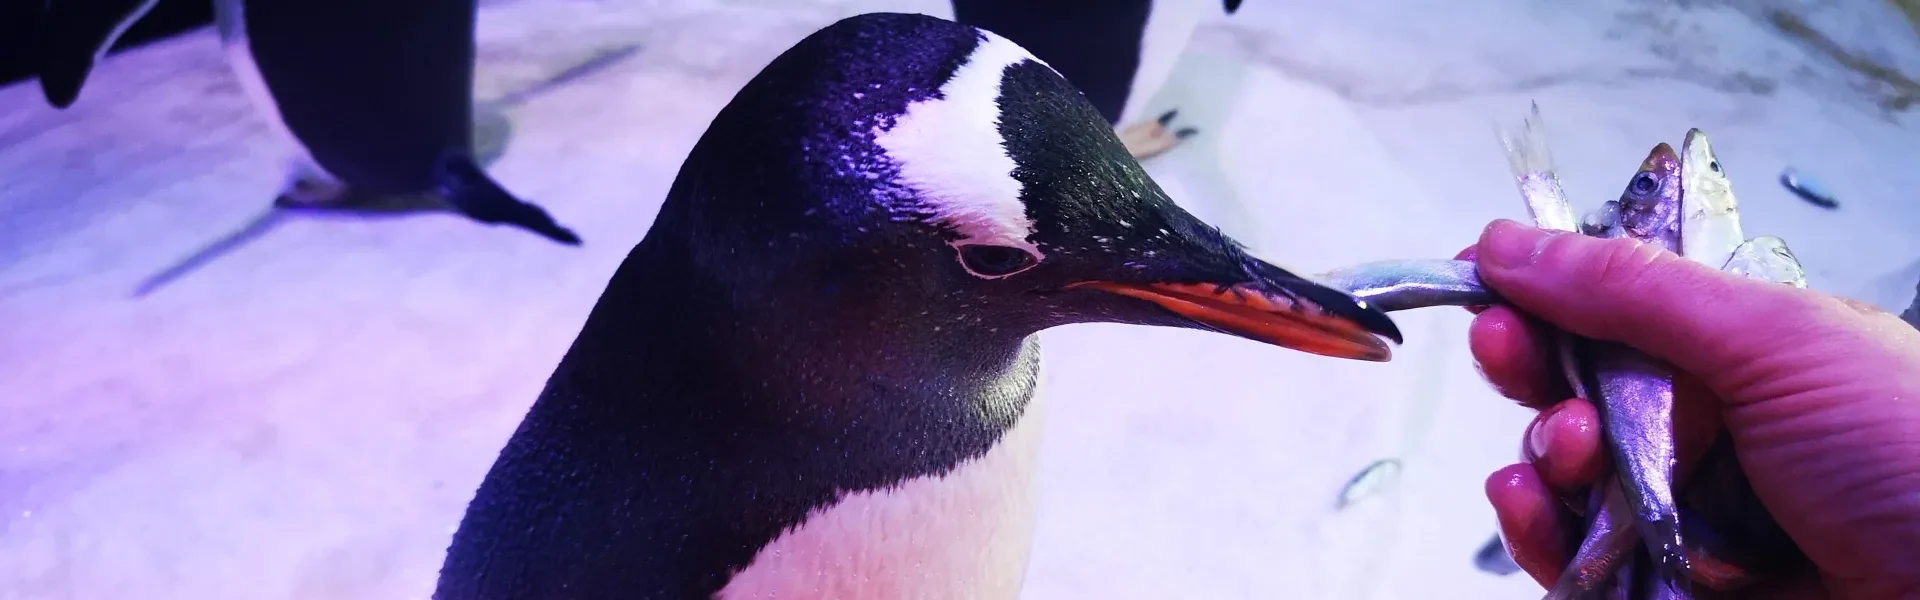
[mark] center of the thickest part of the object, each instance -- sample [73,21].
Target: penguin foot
[315,193]
[311,189]
[463,185]
[1156,137]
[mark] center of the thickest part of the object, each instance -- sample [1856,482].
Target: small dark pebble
[1493,558]
[1808,189]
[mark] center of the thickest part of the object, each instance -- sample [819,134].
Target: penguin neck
[684,432]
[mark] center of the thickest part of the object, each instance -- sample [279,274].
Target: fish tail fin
[1527,148]
[1532,166]
[462,184]
[1606,552]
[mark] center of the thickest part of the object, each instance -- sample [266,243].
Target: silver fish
[1395,285]
[1634,395]
[1531,163]
[1636,391]
[1710,227]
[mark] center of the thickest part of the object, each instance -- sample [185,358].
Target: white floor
[306,417]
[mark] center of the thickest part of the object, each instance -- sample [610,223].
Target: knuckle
[1623,274]
[1624,264]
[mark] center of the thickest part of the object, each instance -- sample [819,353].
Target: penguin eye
[1644,184]
[995,261]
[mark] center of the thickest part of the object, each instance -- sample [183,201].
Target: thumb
[1718,326]
[1818,392]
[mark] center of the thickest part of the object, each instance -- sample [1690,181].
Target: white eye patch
[949,150]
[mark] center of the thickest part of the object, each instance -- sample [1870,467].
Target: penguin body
[375,98]
[1117,52]
[376,92]
[817,376]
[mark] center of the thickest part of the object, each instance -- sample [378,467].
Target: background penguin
[1118,52]
[376,97]
[817,374]
[72,36]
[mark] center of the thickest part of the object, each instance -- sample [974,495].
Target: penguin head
[918,177]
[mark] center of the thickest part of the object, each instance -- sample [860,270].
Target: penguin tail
[62,67]
[1232,5]
[462,184]
[70,38]
[62,88]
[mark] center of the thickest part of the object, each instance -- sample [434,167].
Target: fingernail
[1527,455]
[1540,437]
[1510,245]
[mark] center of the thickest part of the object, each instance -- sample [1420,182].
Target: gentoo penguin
[375,97]
[1118,52]
[817,375]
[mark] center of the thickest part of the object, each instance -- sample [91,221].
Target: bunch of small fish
[1711,531]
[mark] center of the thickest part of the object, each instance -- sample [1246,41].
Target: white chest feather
[964,536]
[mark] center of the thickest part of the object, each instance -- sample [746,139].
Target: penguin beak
[1276,307]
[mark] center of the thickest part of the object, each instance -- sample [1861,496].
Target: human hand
[1821,397]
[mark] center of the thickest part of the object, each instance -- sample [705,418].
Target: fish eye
[994,262]
[1715,165]
[1644,184]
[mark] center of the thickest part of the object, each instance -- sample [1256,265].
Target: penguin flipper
[470,191]
[71,38]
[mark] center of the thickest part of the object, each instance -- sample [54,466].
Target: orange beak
[1286,320]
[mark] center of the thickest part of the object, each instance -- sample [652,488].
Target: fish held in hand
[1531,163]
[1396,285]
[1636,391]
